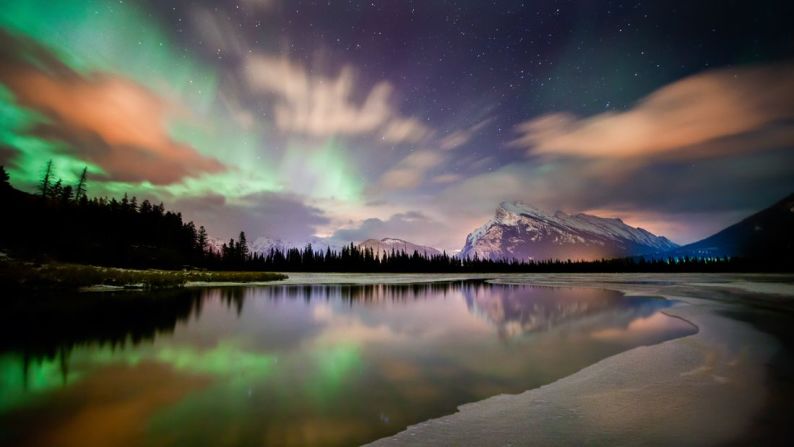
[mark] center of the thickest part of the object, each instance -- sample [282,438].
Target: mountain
[264,244]
[768,233]
[387,245]
[519,231]
[525,309]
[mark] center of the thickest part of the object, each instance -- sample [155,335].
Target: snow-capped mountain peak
[509,212]
[521,231]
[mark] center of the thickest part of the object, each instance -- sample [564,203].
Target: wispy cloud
[405,129]
[322,106]
[446,178]
[694,199]
[410,172]
[460,137]
[220,35]
[678,120]
[269,214]
[413,226]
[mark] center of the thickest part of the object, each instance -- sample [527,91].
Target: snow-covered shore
[705,389]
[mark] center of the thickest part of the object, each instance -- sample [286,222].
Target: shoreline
[731,383]
[18,275]
[717,386]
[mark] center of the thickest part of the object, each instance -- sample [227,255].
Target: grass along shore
[16,274]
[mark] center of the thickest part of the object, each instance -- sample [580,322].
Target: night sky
[350,120]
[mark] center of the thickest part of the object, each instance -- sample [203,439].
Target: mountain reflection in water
[294,365]
[518,309]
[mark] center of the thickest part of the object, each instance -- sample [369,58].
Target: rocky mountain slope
[519,231]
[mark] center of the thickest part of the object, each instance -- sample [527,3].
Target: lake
[294,364]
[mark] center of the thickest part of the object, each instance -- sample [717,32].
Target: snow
[518,208]
[704,389]
[560,227]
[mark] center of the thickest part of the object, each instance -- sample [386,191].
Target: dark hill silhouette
[766,234]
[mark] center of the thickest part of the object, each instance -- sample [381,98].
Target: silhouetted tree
[44,186]
[80,189]
[66,194]
[146,207]
[56,190]
[4,178]
[243,253]
[202,239]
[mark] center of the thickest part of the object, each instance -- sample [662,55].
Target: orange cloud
[410,171]
[687,114]
[106,119]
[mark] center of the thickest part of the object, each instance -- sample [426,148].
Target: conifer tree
[202,239]
[66,194]
[146,207]
[243,247]
[80,189]
[4,178]
[44,186]
[55,191]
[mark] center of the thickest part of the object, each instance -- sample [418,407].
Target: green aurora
[118,39]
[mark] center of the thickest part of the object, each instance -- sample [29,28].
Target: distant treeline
[354,259]
[63,223]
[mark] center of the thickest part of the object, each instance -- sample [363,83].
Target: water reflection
[519,309]
[44,326]
[293,365]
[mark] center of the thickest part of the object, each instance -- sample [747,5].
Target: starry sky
[413,119]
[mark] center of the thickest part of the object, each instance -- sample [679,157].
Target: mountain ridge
[521,231]
[766,233]
[263,245]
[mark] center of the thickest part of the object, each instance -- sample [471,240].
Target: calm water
[294,365]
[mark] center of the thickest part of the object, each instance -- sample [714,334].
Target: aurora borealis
[351,120]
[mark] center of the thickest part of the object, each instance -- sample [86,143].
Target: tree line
[61,222]
[352,258]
